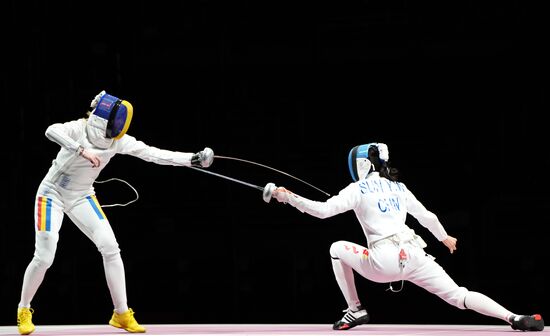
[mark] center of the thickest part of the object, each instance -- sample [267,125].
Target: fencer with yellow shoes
[87,145]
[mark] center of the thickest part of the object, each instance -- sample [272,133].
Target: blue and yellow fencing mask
[118,114]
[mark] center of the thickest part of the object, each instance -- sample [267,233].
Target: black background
[456,89]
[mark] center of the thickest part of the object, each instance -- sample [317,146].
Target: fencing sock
[345,279]
[116,281]
[486,306]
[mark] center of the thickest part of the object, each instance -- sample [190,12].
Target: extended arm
[129,145]
[333,206]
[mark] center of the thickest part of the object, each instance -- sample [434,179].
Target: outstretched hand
[450,242]
[203,158]
[281,194]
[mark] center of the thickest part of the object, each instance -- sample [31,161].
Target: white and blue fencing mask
[358,159]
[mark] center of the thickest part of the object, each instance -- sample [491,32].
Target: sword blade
[268,167]
[228,178]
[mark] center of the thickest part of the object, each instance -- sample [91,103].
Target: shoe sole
[26,332]
[116,325]
[346,326]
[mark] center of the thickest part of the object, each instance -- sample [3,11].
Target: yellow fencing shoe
[24,320]
[126,321]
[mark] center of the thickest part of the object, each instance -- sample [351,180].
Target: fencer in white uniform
[87,146]
[395,253]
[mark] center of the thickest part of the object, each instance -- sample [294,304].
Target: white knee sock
[34,275]
[486,306]
[116,281]
[345,279]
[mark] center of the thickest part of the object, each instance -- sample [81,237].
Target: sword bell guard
[268,191]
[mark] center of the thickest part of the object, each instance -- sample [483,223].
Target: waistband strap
[400,238]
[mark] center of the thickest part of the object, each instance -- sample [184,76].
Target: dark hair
[383,167]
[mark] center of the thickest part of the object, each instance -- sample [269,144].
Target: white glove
[203,158]
[97,98]
[281,194]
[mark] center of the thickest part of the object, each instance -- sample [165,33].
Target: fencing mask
[358,159]
[118,114]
